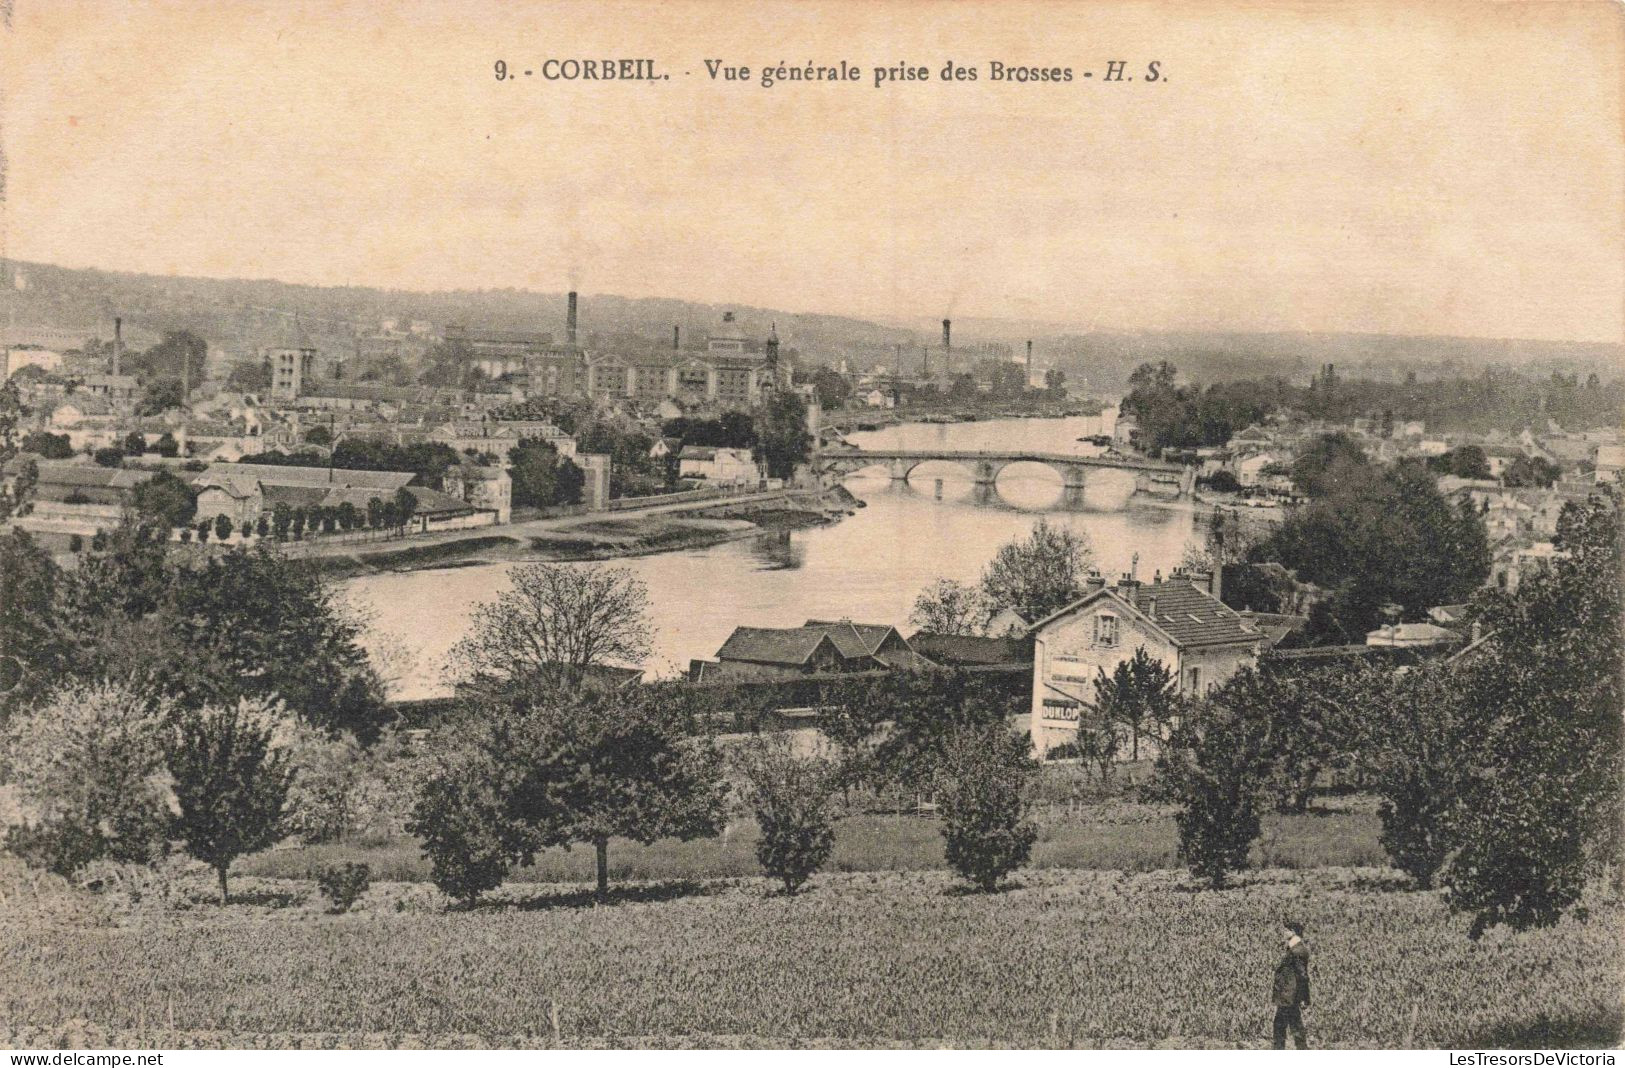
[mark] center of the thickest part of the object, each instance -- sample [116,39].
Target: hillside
[239,315]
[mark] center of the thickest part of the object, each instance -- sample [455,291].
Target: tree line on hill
[1498,770]
[1173,416]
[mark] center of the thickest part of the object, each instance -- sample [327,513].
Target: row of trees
[555,752]
[1498,771]
[427,461]
[559,768]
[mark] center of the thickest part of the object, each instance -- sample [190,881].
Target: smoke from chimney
[570,320]
[118,342]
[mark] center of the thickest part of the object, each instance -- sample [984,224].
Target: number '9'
[502,70]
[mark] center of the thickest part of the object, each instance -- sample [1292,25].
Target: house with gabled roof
[816,647]
[1179,622]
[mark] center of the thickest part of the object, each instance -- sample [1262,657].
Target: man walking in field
[1292,987]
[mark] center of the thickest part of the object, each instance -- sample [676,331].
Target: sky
[1446,168]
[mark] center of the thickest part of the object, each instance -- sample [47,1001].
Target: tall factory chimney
[118,343]
[676,337]
[948,345]
[570,320]
[1028,370]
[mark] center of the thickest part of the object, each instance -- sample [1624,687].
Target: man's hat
[1294,926]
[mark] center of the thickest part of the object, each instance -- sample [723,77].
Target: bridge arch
[984,468]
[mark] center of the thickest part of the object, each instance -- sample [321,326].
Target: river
[868,567]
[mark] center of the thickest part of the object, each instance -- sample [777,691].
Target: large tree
[244,623]
[983,785]
[1040,573]
[782,438]
[1540,802]
[1327,463]
[554,625]
[31,656]
[165,500]
[230,783]
[1379,535]
[88,762]
[559,769]
[1214,767]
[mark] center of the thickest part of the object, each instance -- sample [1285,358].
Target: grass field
[1064,958]
[1118,836]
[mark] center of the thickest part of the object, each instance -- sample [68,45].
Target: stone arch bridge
[1150,476]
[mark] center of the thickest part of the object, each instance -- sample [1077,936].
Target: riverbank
[598,536]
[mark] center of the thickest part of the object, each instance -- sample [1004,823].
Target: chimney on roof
[570,319]
[118,343]
[1128,582]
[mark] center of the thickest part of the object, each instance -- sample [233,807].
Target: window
[1105,630]
[1193,679]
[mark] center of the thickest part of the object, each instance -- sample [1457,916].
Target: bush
[1215,767]
[460,820]
[88,767]
[790,797]
[61,847]
[321,801]
[982,790]
[343,884]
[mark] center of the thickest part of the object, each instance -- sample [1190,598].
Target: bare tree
[949,607]
[553,626]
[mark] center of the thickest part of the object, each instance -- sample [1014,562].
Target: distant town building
[245,492]
[718,465]
[486,488]
[1412,635]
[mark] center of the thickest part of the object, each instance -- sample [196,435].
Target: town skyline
[1326,176]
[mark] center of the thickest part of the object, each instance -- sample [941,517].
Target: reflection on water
[867,567]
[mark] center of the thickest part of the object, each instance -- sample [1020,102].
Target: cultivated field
[1084,958]
[1115,835]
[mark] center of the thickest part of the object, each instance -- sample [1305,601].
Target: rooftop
[1189,616]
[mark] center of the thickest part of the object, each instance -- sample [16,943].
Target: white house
[1411,635]
[1610,462]
[1250,469]
[717,465]
[1196,636]
[1008,623]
